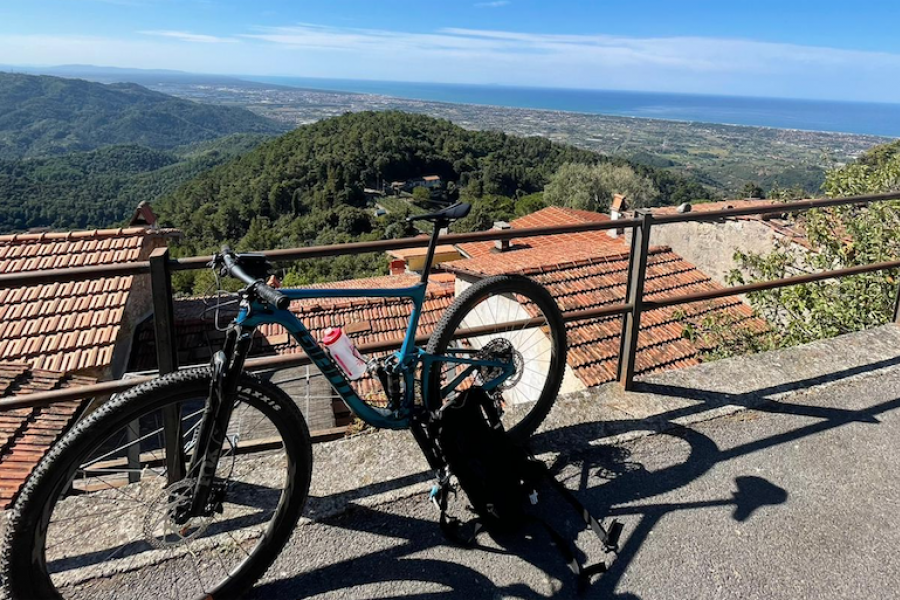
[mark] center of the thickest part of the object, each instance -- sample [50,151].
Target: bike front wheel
[534,343]
[97,517]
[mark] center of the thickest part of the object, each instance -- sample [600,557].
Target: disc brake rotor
[160,527]
[501,350]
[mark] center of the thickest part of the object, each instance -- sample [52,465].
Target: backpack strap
[609,537]
[452,527]
[583,574]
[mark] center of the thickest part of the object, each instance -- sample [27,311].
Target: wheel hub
[164,523]
[502,350]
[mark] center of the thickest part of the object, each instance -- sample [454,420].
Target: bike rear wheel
[536,349]
[94,520]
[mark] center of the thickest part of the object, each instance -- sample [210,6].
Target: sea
[813,115]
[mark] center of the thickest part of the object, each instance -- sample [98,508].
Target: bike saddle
[449,214]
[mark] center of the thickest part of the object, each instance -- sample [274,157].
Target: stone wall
[710,246]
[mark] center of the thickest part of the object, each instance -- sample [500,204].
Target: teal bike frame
[260,305]
[407,361]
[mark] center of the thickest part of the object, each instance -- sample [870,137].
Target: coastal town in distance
[724,157]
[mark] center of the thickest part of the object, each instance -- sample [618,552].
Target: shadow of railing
[608,482]
[762,399]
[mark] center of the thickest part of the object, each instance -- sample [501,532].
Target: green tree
[591,187]
[421,194]
[838,237]
[529,204]
[752,190]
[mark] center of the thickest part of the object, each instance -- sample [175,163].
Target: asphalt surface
[772,476]
[795,499]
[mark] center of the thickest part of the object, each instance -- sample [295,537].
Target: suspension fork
[227,365]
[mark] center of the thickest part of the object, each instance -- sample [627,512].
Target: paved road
[798,499]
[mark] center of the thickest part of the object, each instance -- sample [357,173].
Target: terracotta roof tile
[548,217]
[67,319]
[594,343]
[582,275]
[26,434]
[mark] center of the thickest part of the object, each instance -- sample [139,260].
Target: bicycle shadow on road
[419,550]
[607,482]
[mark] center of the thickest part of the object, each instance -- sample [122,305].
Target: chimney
[143,217]
[501,245]
[617,211]
[398,267]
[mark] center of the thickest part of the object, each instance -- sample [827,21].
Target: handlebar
[263,291]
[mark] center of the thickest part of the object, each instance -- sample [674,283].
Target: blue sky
[792,48]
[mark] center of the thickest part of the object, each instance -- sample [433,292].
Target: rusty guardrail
[160,268]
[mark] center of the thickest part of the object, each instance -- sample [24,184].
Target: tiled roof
[27,433]
[548,217]
[528,259]
[369,320]
[712,206]
[72,325]
[38,251]
[582,277]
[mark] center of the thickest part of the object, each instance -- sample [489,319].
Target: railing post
[166,356]
[897,306]
[631,321]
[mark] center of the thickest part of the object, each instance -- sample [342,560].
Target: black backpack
[500,479]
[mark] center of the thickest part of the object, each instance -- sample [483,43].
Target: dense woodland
[75,154]
[306,187]
[100,188]
[44,116]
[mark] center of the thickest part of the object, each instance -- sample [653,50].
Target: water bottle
[344,353]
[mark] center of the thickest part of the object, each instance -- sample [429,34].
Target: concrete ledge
[379,467]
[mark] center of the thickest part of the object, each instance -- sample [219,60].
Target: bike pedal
[612,536]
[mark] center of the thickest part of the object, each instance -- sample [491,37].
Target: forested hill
[306,187]
[43,116]
[83,190]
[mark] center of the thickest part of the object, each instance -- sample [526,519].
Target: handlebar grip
[263,291]
[272,297]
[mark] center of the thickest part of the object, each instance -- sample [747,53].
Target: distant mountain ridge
[44,116]
[145,77]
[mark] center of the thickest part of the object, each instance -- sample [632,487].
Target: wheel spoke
[536,351]
[112,530]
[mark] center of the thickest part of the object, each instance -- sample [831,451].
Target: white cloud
[187,36]
[458,55]
[552,57]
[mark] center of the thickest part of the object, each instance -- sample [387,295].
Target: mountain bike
[190,485]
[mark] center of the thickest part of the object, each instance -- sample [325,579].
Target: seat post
[432,245]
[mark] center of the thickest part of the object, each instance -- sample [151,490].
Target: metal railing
[160,268]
